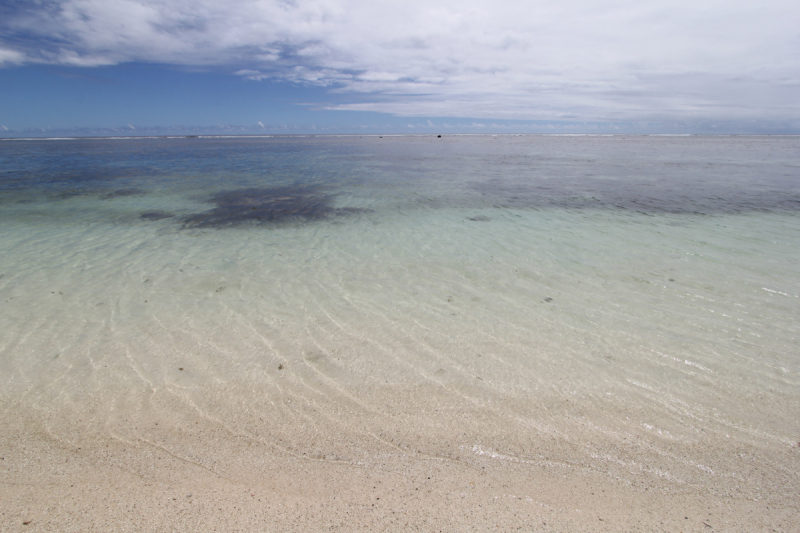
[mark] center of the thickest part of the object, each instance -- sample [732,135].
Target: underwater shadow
[267,206]
[647,197]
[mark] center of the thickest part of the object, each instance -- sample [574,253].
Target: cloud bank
[538,60]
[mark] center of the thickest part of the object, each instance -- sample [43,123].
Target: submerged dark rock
[121,192]
[344,211]
[66,195]
[156,215]
[267,206]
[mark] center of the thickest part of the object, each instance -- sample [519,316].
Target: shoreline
[554,331]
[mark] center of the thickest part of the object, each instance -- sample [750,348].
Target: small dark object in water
[280,367]
[343,211]
[181,368]
[439,136]
[156,215]
[66,195]
[671,279]
[480,218]
[548,299]
[121,192]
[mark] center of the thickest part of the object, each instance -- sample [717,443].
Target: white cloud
[10,57]
[254,75]
[545,59]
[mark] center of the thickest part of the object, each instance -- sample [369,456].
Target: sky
[105,67]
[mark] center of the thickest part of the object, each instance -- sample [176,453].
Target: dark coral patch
[344,211]
[156,215]
[266,206]
[260,206]
[66,195]
[120,193]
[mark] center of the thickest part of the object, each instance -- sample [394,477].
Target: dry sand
[190,474]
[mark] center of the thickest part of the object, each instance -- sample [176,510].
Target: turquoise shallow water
[524,297]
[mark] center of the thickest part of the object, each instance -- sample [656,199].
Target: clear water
[627,304]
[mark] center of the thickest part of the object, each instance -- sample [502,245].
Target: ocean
[623,305]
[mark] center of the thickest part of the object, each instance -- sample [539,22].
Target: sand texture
[188,474]
[458,334]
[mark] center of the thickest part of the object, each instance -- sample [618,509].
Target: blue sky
[349,66]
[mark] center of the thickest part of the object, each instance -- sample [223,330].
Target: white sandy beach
[419,365]
[190,474]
